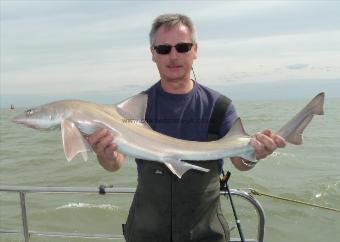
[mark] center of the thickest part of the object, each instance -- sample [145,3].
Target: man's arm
[108,157]
[265,143]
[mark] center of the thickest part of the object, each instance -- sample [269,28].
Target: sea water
[310,173]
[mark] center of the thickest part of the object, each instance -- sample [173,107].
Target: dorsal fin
[134,107]
[236,130]
[133,110]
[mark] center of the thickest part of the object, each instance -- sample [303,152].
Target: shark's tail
[293,129]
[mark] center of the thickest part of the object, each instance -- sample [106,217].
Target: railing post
[24,216]
[259,210]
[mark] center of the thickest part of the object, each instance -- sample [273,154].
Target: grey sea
[310,173]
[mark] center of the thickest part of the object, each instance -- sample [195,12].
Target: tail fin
[292,131]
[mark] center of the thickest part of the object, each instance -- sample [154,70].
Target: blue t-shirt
[185,116]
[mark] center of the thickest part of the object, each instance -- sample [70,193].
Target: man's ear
[152,54]
[195,51]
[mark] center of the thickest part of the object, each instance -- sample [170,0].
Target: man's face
[174,66]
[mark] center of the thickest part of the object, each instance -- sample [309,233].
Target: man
[166,208]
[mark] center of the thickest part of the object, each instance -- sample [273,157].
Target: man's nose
[173,53]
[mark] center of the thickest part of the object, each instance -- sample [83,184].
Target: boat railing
[27,233]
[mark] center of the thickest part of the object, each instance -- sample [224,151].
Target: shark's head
[46,117]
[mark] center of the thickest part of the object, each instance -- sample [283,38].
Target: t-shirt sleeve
[229,119]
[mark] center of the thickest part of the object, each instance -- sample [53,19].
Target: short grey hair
[171,20]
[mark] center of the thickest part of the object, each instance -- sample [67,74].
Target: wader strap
[220,108]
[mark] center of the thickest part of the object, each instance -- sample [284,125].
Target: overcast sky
[73,48]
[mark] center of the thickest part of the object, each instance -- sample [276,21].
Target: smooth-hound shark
[135,138]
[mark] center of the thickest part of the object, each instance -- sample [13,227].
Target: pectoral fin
[73,141]
[179,167]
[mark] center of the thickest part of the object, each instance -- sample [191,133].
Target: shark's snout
[20,119]
[23,120]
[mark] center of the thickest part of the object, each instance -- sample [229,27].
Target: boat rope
[255,192]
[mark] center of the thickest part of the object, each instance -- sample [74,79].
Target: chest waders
[168,209]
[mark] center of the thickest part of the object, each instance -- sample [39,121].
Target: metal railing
[23,190]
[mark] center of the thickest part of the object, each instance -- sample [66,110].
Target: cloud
[297,66]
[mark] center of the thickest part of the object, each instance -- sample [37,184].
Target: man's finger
[268,143]
[267,132]
[110,152]
[103,143]
[96,136]
[280,142]
[259,148]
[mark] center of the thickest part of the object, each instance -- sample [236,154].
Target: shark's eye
[29,112]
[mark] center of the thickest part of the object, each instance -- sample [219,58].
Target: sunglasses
[180,47]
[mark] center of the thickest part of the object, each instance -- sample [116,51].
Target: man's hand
[102,144]
[265,143]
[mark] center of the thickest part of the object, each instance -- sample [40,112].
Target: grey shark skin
[135,138]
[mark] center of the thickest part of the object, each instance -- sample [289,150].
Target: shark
[126,121]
